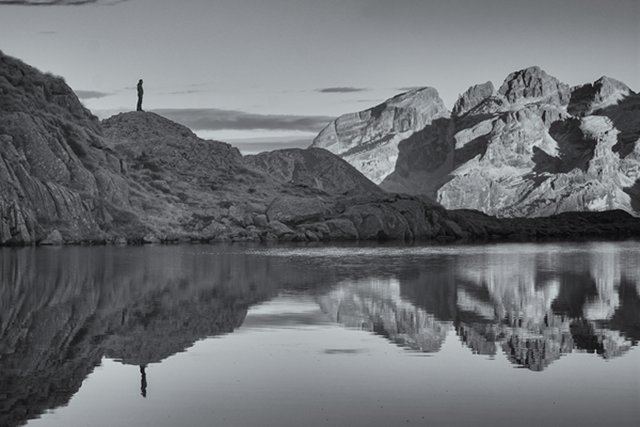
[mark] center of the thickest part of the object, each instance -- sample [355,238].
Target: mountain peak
[472,97]
[602,93]
[414,97]
[134,125]
[353,135]
[533,83]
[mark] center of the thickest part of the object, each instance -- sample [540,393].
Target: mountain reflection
[534,307]
[63,310]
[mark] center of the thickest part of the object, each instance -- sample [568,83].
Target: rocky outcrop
[56,171]
[314,168]
[369,139]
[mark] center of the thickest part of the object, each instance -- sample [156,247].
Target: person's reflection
[143,380]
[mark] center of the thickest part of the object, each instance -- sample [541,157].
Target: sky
[272,73]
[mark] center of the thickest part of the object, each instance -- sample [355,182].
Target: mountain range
[137,177]
[533,147]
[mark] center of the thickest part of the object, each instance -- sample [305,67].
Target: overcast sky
[282,59]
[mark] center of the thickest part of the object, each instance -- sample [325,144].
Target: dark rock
[261,220]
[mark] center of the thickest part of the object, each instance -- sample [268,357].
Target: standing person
[140,93]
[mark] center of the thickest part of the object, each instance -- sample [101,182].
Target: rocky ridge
[535,147]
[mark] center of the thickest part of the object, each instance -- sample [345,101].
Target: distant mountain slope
[534,147]
[313,168]
[369,139]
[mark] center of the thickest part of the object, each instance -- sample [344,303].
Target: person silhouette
[143,380]
[140,93]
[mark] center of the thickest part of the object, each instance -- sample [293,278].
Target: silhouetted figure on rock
[143,379]
[140,93]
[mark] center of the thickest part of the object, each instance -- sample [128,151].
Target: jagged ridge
[534,147]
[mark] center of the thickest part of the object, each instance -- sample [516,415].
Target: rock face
[314,168]
[472,97]
[602,93]
[534,148]
[534,83]
[369,139]
[56,170]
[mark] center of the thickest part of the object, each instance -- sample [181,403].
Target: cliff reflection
[532,306]
[62,310]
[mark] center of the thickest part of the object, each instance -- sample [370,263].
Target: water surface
[496,335]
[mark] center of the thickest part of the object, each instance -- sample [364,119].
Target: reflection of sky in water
[333,336]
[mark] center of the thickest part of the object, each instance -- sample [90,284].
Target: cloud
[409,88]
[259,147]
[342,89]
[183,92]
[89,94]
[216,119]
[59,2]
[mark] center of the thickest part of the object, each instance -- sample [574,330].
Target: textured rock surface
[314,168]
[55,169]
[369,139]
[591,97]
[534,148]
[473,97]
[534,83]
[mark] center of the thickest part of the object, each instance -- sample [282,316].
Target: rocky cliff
[535,147]
[56,171]
[369,139]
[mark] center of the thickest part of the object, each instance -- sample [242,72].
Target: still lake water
[489,335]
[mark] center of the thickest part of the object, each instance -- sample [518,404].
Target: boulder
[296,209]
[53,239]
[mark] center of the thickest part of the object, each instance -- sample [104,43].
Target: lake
[354,335]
